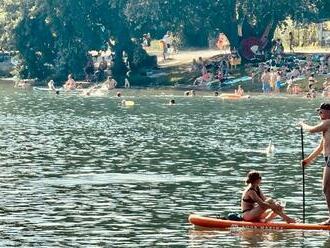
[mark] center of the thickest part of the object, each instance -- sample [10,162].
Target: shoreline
[160,90]
[175,72]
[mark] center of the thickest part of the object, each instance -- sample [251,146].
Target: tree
[54,36]
[10,15]
[238,19]
[60,34]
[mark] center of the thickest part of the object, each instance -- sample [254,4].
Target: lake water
[85,172]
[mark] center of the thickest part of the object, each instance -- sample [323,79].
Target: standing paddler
[324,148]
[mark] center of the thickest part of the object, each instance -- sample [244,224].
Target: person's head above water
[252,177]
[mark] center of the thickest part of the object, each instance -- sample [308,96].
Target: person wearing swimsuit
[324,147]
[255,206]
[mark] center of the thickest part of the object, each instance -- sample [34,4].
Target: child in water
[255,206]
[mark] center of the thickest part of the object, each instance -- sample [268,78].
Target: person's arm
[261,200]
[271,205]
[322,127]
[310,158]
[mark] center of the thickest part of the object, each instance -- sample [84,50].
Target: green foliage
[200,19]
[10,16]
[35,44]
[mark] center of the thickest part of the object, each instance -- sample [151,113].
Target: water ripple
[83,171]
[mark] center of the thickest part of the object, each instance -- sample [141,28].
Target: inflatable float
[208,222]
[233,96]
[127,103]
[46,89]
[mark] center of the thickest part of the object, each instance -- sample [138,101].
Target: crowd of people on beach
[286,72]
[281,73]
[218,69]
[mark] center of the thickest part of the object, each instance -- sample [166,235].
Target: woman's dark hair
[252,176]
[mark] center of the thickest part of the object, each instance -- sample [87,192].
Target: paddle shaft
[303,169]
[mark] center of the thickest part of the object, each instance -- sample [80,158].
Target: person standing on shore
[291,40]
[272,79]
[324,147]
[265,77]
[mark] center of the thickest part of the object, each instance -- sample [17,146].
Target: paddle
[303,169]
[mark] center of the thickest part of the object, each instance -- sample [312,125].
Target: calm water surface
[85,172]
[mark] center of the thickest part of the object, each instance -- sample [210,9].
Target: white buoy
[270,149]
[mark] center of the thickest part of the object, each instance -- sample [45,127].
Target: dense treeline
[54,36]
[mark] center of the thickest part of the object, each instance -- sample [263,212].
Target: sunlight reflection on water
[75,167]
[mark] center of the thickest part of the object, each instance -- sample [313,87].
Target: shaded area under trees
[54,36]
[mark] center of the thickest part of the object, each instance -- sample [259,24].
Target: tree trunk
[231,29]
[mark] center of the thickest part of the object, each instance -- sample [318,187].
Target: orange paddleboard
[208,222]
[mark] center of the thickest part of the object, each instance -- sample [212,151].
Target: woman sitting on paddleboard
[255,206]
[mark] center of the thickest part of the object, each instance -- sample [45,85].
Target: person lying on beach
[254,204]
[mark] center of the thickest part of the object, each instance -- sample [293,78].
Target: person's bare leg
[326,189]
[278,212]
[270,215]
[254,215]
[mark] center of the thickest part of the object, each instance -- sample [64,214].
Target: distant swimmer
[51,85]
[172,102]
[216,93]
[118,94]
[239,91]
[109,84]
[187,93]
[70,84]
